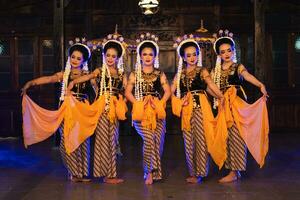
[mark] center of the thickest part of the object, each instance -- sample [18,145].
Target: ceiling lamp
[149,7]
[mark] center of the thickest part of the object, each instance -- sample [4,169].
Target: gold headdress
[221,38]
[79,42]
[179,42]
[117,39]
[144,38]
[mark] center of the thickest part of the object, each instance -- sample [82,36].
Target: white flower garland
[217,77]
[178,44]
[138,92]
[103,87]
[64,84]
[144,38]
[179,71]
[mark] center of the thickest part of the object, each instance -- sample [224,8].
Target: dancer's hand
[263,90]
[69,92]
[185,101]
[70,87]
[26,86]
[221,103]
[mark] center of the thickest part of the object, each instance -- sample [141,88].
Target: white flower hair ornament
[142,39]
[221,38]
[79,43]
[179,42]
[118,40]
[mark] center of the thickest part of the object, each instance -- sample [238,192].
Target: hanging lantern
[149,7]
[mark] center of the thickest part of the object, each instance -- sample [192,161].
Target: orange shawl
[215,130]
[148,115]
[80,120]
[251,121]
[39,123]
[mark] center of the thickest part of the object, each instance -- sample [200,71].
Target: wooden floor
[38,173]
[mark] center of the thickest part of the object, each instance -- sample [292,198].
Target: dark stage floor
[38,173]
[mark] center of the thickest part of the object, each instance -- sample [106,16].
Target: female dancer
[111,82]
[148,112]
[247,124]
[77,163]
[189,83]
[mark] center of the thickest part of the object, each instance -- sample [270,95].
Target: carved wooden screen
[280,61]
[5,64]
[297,60]
[25,60]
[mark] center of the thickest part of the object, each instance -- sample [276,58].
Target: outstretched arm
[83,78]
[212,88]
[42,80]
[251,79]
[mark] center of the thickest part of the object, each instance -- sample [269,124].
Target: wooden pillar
[244,49]
[14,70]
[181,24]
[216,20]
[269,61]
[59,44]
[89,20]
[59,35]
[291,59]
[259,39]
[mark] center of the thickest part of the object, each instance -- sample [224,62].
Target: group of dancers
[94,102]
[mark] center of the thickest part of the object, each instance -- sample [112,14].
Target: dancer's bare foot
[113,180]
[192,179]
[85,180]
[231,177]
[76,179]
[149,179]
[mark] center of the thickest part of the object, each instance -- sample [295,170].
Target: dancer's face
[76,59]
[147,56]
[190,56]
[111,57]
[226,52]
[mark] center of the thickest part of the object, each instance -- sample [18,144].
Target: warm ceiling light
[149,7]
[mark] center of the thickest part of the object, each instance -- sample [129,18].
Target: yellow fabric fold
[148,111]
[215,131]
[227,108]
[138,110]
[121,108]
[160,108]
[80,121]
[149,119]
[176,106]
[187,114]
[112,116]
[252,123]
[39,123]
